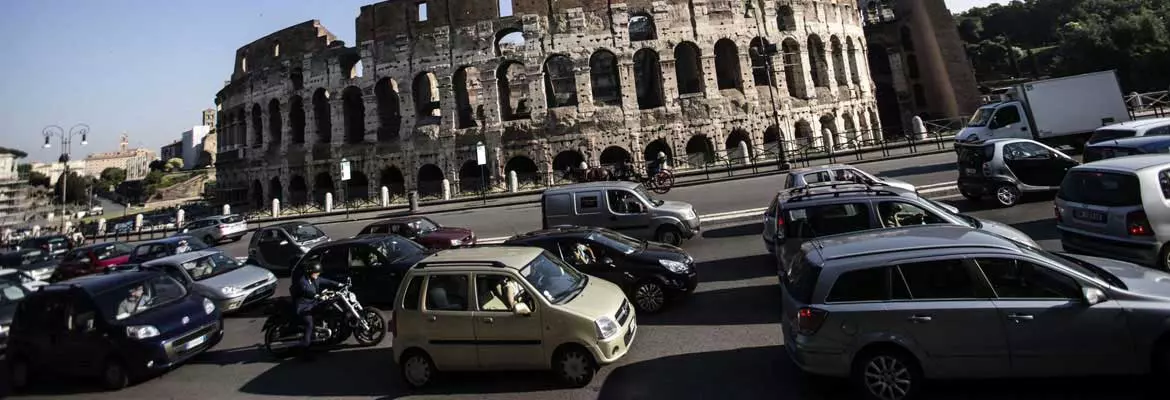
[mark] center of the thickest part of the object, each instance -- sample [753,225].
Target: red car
[91,259]
[423,231]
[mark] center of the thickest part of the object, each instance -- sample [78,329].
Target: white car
[212,230]
[21,277]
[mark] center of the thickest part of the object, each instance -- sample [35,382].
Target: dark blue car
[119,326]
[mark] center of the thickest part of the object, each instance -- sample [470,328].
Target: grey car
[889,308]
[1118,208]
[625,207]
[231,285]
[803,214]
[839,173]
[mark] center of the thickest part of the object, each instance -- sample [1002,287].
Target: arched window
[727,71]
[839,72]
[785,19]
[466,79]
[426,99]
[604,78]
[688,69]
[560,83]
[354,114]
[642,27]
[648,79]
[512,89]
[818,65]
[758,50]
[794,69]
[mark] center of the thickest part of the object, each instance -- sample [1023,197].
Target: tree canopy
[112,176]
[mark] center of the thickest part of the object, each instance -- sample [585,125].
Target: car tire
[417,369]
[210,241]
[669,235]
[19,373]
[574,366]
[649,296]
[969,195]
[1164,258]
[887,374]
[114,375]
[1007,195]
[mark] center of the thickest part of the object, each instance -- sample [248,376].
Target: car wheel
[1164,258]
[208,240]
[1007,195]
[969,195]
[114,376]
[18,373]
[575,366]
[649,297]
[669,235]
[417,369]
[887,375]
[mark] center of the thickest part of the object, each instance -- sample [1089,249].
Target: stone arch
[560,83]
[274,122]
[852,134]
[772,139]
[298,191]
[351,64]
[785,18]
[794,69]
[688,68]
[296,120]
[354,113]
[604,78]
[727,70]
[322,184]
[466,81]
[854,73]
[650,152]
[818,65]
[473,177]
[430,180]
[567,159]
[358,186]
[838,61]
[513,91]
[426,98]
[731,146]
[526,171]
[804,135]
[648,79]
[642,27]
[906,39]
[257,195]
[761,73]
[389,113]
[257,124]
[276,190]
[613,155]
[508,41]
[700,150]
[321,115]
[392,179]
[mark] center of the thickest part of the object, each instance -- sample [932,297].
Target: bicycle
[661,182]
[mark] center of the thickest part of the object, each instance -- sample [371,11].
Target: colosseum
[544,85]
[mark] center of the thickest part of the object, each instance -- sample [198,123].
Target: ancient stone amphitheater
[544,85]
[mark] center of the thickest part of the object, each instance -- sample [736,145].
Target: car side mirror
[283,242]
[1093,296]
[185,230]
[522,310]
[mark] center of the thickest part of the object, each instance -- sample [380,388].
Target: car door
[1050,164]
[378,281]
[1029,162]
[277,248]
[335,267]
[449,321]
[54,326]
[506,340]
[1008,122]
[625,211]
[82,340]
[950,318]
[589,257]
[1051,331]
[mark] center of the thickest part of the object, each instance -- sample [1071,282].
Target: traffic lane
[1033,215]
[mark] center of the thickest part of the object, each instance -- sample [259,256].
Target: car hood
[599,298]
[674,207]
[654,251]
[1139,279]
[448,233]
[970,134]
[239,277]
[1007,231]
[900,184]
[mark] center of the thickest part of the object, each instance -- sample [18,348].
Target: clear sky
[146,67]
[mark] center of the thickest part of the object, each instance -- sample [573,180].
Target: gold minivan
[507,308]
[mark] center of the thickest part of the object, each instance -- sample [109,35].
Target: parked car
[213,230]
[13,290]
[279,246]
[55,245]
[839,173]
[36,263]
[805,214]
[1117,208]
[120,327]
[1128,129]
[231,285]
[890,308]
[165,247]
[91,259]
[1126,147]
[424,231]
[1006,168]
[507,308]
[21,278]
[375,264]
[625,207]
[652,274]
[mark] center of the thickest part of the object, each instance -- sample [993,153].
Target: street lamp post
[66,139]
[767,51]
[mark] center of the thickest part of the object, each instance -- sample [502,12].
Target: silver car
[840,173]
[892,307]
[228,283]
[212,230]
[625,207]
[1118,208]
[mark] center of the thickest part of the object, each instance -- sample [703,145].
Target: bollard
[68,227]
[513,183]
[827,139]
[101,228]
[412,198]
[743,151]
[275,208]
[36,231]
[328,202]
[446,189]
[138,222]
[180,217]
[919,127]
[385,196]
[227,209]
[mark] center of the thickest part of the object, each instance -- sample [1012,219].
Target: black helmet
[312,268]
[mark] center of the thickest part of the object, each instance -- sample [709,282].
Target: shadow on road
[734,269]
[919,170]
[1044,229]
[987,203]
[738,230]
[723,307]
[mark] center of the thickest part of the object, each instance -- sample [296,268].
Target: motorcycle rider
[305,292]
[658,164]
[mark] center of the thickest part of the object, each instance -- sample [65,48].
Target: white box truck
[1055,111]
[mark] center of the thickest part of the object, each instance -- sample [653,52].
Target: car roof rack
[868,189]
[425,264]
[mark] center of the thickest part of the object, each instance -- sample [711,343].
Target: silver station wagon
[231,285]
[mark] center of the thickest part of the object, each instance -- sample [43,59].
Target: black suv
[651,273]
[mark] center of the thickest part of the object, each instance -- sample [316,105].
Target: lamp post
[66,139]
[767,51]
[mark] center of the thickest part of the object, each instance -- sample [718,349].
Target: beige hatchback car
[507,308]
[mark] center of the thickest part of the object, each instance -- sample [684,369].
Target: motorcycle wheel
[341,332]
[274,346]
[377,328]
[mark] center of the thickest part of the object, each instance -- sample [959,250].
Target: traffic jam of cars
[878,284]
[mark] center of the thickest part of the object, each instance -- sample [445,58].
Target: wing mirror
[283,242]
[1093,296]
[522,309]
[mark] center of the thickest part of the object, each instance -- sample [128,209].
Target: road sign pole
[345,185]
[481,158]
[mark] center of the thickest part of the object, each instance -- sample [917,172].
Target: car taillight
[779,224]
[1137,224]
[987,168]
[1057,210]
[809,320]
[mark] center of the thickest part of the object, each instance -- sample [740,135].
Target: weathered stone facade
[550,84]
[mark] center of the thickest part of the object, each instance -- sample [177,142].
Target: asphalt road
[722,343]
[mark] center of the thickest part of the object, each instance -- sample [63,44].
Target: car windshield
[111,251]
[1072,263]
[424,225]
[398,248]
[11,290]
[212,265]
[616,241]
[553,279]
[641,190]
[138,297]
[981,117]
[305,233]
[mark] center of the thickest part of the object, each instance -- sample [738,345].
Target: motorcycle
[338,316]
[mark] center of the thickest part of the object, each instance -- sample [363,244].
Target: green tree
[38,179]
[77,188]
[174,164]
[157,165]
[24,169]
[112,176]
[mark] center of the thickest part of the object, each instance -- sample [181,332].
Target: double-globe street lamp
[66,139]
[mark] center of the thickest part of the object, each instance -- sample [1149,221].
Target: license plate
[195,342]
[1087,215]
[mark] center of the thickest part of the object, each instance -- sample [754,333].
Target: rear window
[1094,153]
[231,219]
[975,155]
[1102,135]
[800,280]
[1101,189]
[828,219]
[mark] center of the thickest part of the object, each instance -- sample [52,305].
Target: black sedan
[652,274]
[374,264]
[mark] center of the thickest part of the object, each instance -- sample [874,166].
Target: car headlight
[674,266]
[3,330]
[456,242]
[208,306]
[231,291]
[606,327]
[141,331]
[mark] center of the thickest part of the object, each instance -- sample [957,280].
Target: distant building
[54,170]
[194,147]
[173,150]
[14,200]
[209,117]
[136,162]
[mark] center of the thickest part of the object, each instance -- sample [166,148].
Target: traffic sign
[480,153]
[344,170]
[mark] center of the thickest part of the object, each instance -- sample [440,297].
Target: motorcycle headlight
[456,242]
[606,327]
[674,266]
[141,331]
[231,291]
[208,306]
